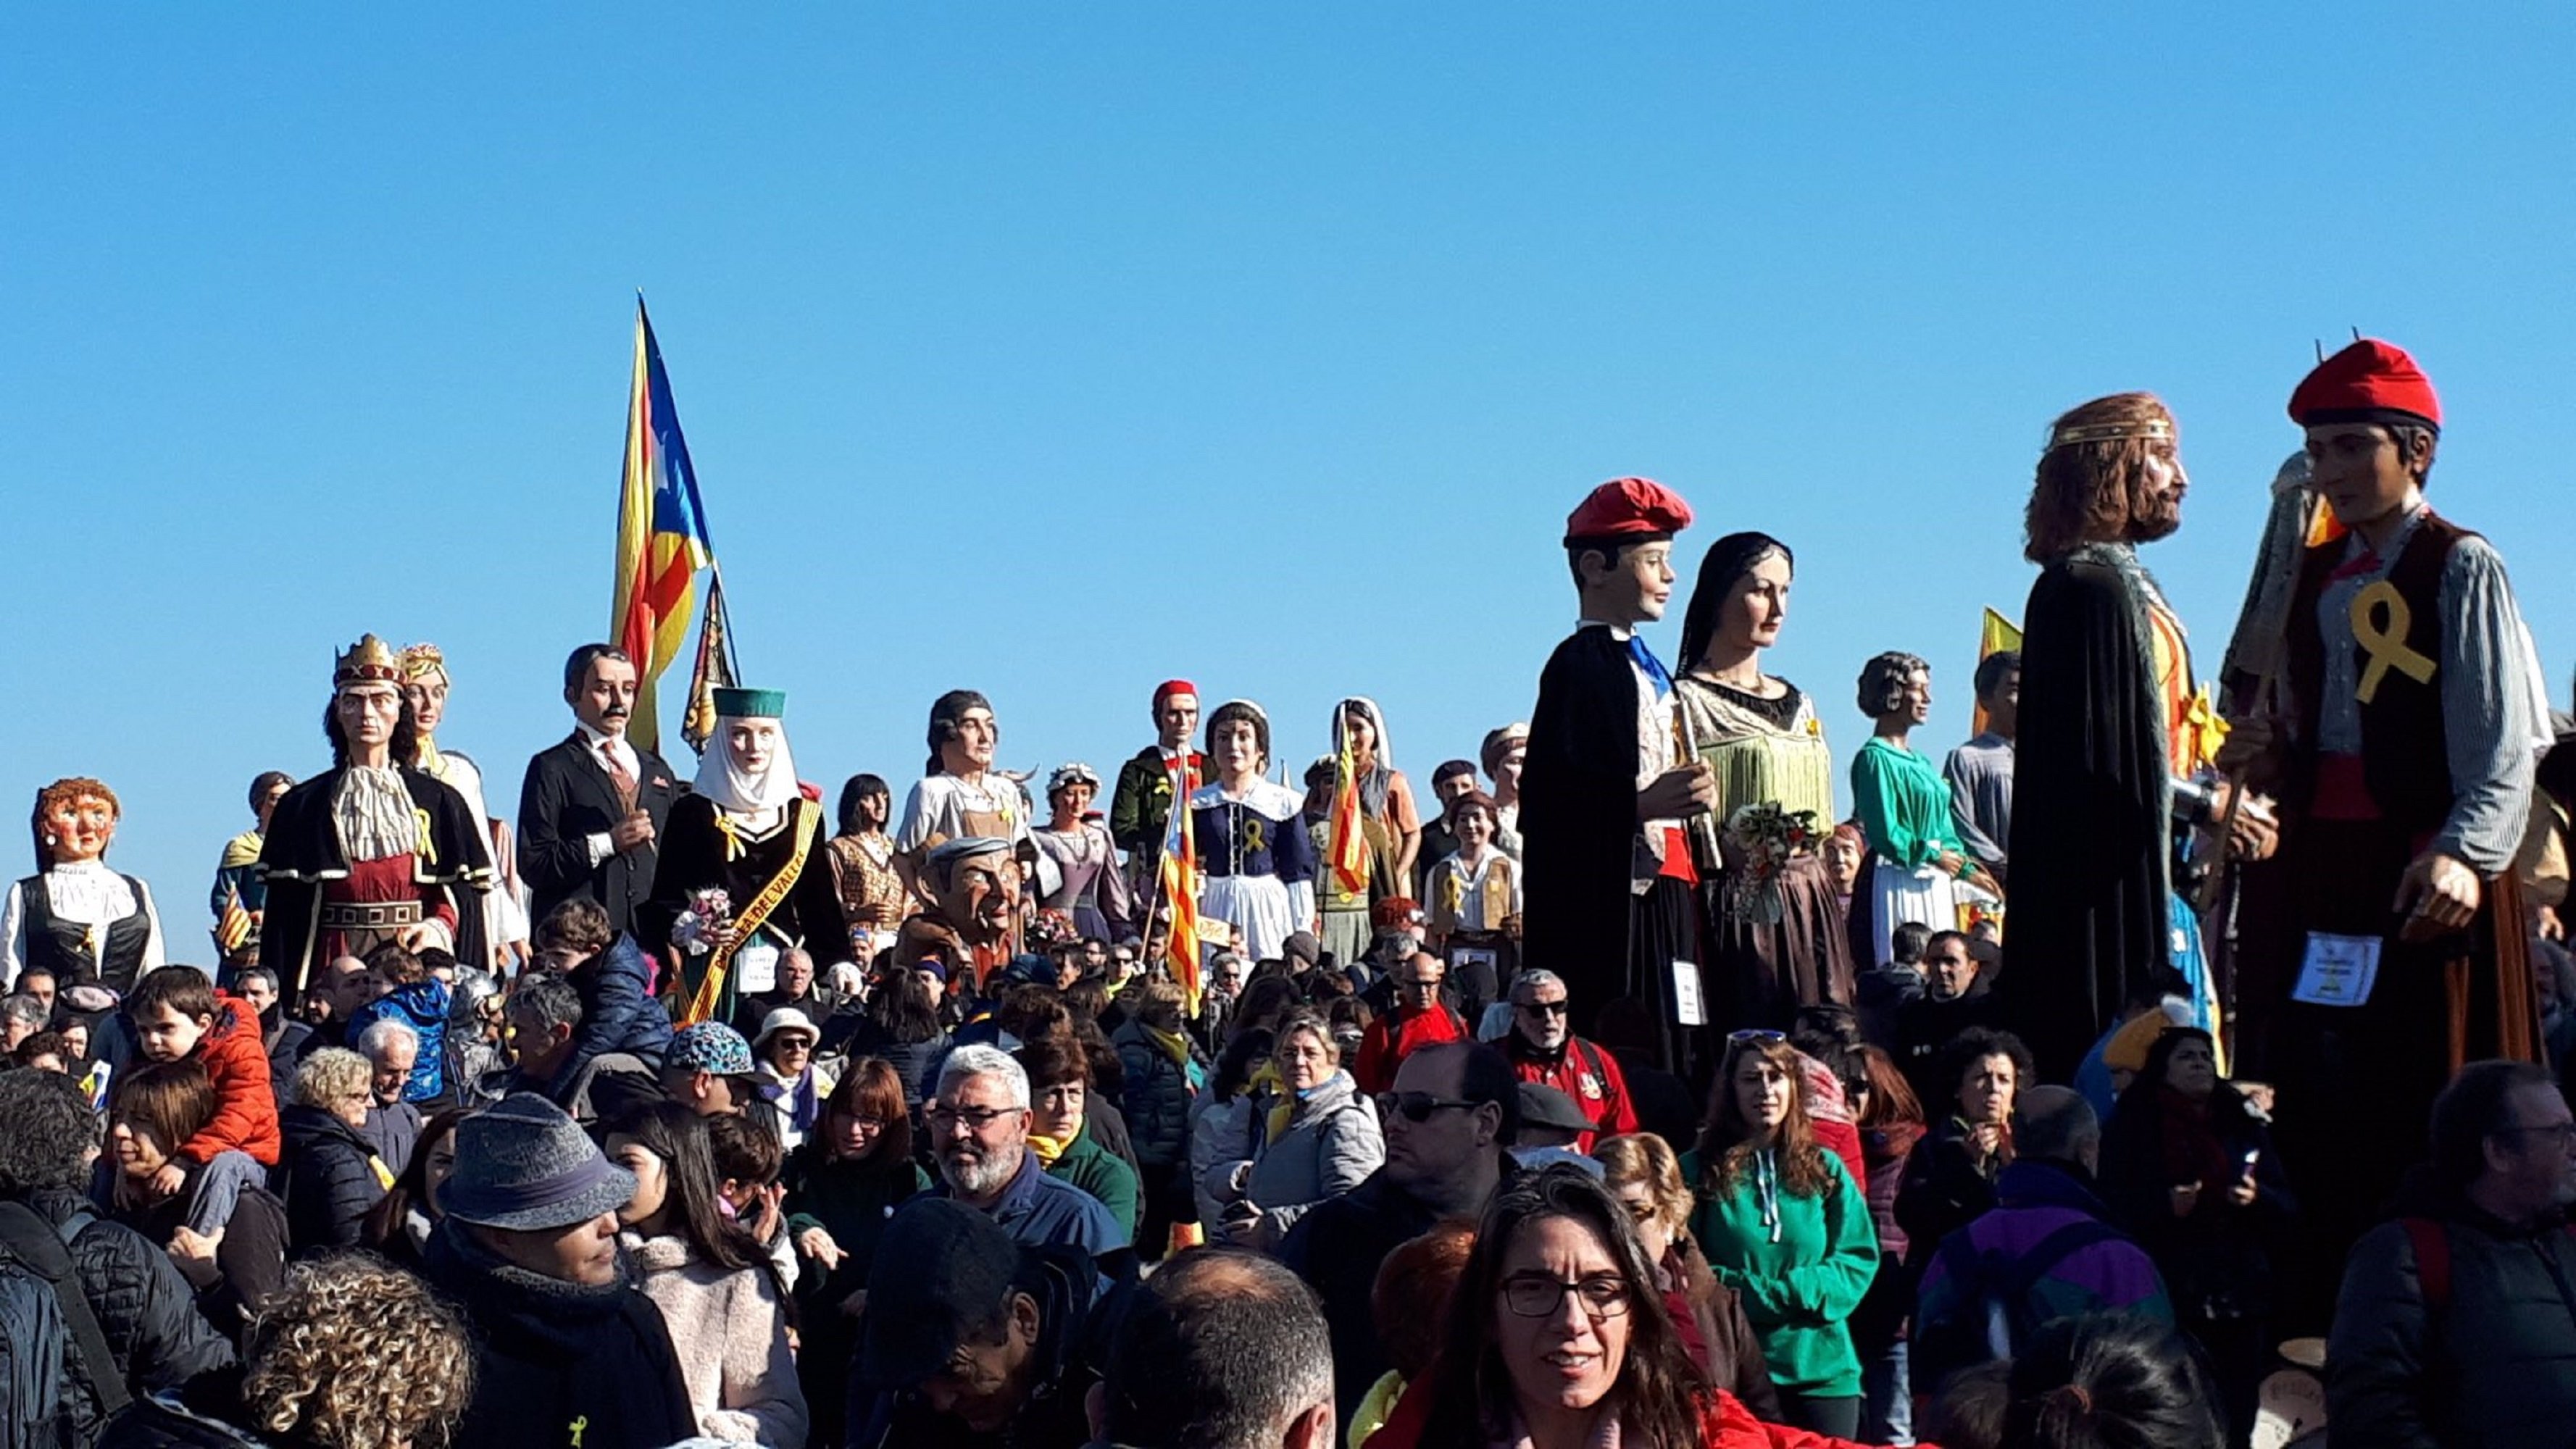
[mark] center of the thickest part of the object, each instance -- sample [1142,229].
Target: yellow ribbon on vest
[2380,620]
[703,1001]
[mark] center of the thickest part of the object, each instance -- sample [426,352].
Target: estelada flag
[1347,843]
[712,671]
[1180,872]
[661,533]
[1994,635]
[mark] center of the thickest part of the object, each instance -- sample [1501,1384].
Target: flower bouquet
[1763,839]
[696,928]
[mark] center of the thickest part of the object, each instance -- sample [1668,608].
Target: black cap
[1546,1106]
[942,1270]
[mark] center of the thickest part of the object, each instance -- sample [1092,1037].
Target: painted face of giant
[982,893]
[368,713]
[427,697]
[754,743]
[79,825]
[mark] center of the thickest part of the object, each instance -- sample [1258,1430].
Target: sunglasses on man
[1418,1106]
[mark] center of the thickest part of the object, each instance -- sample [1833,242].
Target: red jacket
[236,1062]
[1724,1423]
[1397,1035]
[1587,1074]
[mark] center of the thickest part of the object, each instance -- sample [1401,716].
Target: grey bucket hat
[525,1165]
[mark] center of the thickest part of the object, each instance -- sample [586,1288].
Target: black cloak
[302,853]
[2092,837]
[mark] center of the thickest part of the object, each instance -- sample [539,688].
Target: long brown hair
[1726,1146]
[2089,491]
[1656,1399]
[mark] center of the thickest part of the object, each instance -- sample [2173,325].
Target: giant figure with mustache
[592,809]
[2111,770]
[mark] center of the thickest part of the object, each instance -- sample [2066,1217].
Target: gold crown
[368,661]
[2148,429]
[420,661]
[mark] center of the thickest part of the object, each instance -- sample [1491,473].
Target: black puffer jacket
[1156,1099]
[328,1179]
[145,1308]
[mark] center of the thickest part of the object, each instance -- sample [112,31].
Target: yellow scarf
[1173,1042]
[1048,1149]
[1283,1104]
[1376,1409]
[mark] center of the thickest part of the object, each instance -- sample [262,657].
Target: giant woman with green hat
[748,830]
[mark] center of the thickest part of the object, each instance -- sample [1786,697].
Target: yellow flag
[1994,633]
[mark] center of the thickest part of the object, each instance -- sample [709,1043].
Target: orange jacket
[236,1062]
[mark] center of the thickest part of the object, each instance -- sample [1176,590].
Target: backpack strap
[45,1249]
[2014,1280]
[2432,1262]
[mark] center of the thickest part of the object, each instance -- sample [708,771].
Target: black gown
[2092,840]
[693,859]
[1580,917]
[301,859]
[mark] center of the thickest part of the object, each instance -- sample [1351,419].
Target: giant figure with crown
[374,849]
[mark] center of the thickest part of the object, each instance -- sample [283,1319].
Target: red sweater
[236,1062]
[1592,1078]
[1398,1035]
[1724,1423]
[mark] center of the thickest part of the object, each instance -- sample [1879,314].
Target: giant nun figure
[1606,786]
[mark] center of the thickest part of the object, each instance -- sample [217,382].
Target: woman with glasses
[1642,1172]
[842,1186]
[718,1292]
[1059,1072]
[1785,1226]
[1558,1339]
[1315,1139]
[2187,1163]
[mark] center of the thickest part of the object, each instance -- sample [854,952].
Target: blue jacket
[1039,1211]
[618,1010]
[2045,1251]
[422,1006]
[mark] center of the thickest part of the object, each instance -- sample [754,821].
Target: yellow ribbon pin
[2380,620]
[2208,729]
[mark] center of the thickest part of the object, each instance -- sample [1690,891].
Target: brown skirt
[1772,959]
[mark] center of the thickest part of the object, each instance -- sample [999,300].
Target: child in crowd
[178,1013]
[749,1158]
[410,994]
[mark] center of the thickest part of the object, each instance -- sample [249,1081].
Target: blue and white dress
[1256,862]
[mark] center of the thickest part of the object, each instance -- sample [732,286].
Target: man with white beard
[979,1128]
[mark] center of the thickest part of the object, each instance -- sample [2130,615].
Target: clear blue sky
[1053,350]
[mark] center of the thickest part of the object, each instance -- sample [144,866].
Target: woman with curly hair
[1785,1226]
[352,1353]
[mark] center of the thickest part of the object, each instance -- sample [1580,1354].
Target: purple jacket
[2045,1251]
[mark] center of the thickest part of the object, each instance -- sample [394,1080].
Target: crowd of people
[2169,1059]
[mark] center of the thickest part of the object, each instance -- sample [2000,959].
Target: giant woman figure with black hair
[1777,938]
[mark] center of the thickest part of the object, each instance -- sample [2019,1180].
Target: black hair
[901,1009]
[1727,560]
[1486,1075]
[1220,1349]
[854,790]
[1241,711]
[265,781]
[945,713]
[1908,941]
[1992,669]
[577,664]
[674,1132]
[2106,1380]
[1973,1046]
[1234,1065]
[2476,1106]
[47,1133]
[1450,768]
[401,749]
[1883,681]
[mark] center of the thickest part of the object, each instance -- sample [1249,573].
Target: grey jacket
[2495,1365]
[1331,1146]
